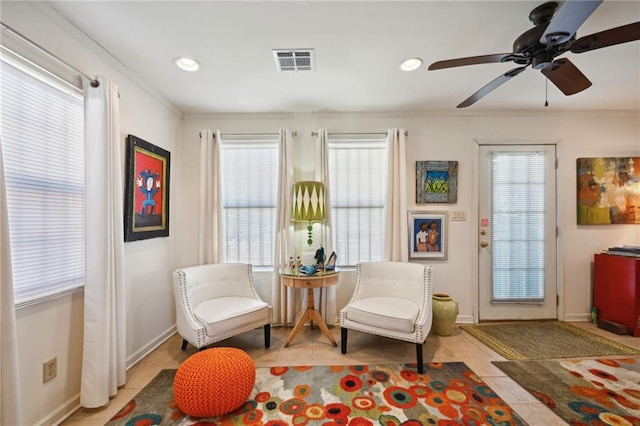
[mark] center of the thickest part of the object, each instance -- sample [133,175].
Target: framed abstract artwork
[436,182]
[146,201]
[428,235]
[608,190]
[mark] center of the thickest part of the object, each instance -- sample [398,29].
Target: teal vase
[445,312]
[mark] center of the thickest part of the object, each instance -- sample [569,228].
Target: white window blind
[357,173]
[518,223]
[42,134]
[249,176]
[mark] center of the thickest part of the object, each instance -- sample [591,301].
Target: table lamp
[308,206]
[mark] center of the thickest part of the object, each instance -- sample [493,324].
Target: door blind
[518,225]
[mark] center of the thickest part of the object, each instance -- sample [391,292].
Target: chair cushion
[229,313]
[385,312]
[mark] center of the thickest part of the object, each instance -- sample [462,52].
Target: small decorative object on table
[307,270]
[331,263]
[320,258]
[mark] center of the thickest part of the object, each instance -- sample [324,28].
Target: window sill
[44,298]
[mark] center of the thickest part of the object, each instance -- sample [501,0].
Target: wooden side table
[310,282]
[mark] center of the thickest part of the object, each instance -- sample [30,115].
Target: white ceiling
[358,46]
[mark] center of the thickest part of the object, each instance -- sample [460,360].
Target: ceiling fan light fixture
[411,64]
[187,64]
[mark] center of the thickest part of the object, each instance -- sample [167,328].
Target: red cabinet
[616,290]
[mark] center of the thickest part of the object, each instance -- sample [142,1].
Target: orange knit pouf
[214,382]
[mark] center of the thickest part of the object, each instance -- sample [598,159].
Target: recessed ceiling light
[187,64]
[411,64]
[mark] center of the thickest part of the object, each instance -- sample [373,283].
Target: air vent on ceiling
[294,59]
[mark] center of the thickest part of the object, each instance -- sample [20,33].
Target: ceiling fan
[552,35]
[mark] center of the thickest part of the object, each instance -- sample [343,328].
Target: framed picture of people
[146,201]
[428,235]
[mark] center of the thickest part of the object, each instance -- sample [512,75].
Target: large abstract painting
[608,190]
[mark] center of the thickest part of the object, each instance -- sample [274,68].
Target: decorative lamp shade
[308,202]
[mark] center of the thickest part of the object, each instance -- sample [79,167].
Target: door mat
[544,340]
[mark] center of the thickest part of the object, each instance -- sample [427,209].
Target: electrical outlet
[49,369]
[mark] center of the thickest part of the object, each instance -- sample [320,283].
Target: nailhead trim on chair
[203,340]
[188,309]
[419,336]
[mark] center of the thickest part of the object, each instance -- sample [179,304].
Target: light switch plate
[458,215]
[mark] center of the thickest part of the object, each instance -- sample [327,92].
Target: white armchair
[391,299]
[218,301]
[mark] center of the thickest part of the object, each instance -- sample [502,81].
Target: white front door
[517,241]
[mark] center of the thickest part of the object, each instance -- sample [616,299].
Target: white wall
[54,328]
[447,136]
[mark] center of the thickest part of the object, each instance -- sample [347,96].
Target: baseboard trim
[61,413]
[69,407]
[150,347]
[464,319]
[577,317]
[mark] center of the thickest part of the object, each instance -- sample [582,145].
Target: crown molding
[66,25]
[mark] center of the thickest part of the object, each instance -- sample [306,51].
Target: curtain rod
[406,133]
[249,134]
[94,82]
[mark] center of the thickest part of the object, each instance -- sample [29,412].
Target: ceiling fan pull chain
[546,87]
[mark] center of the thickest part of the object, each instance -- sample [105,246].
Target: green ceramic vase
[445,312]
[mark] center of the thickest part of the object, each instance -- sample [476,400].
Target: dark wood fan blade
[567,20]
[566,76]
[491,86]
[610,37]
[475,60]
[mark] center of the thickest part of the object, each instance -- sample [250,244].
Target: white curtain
[104,354]
[10,404]
[210,218]
[396,239]
[283,298]
[327,296]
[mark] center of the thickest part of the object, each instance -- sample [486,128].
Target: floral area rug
[583,392]
[357,395]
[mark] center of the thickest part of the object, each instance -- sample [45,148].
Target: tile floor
[311,347]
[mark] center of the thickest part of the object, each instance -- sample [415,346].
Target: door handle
[484,244]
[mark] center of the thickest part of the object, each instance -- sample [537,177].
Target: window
[42,133]
[249,186]
[357,173]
